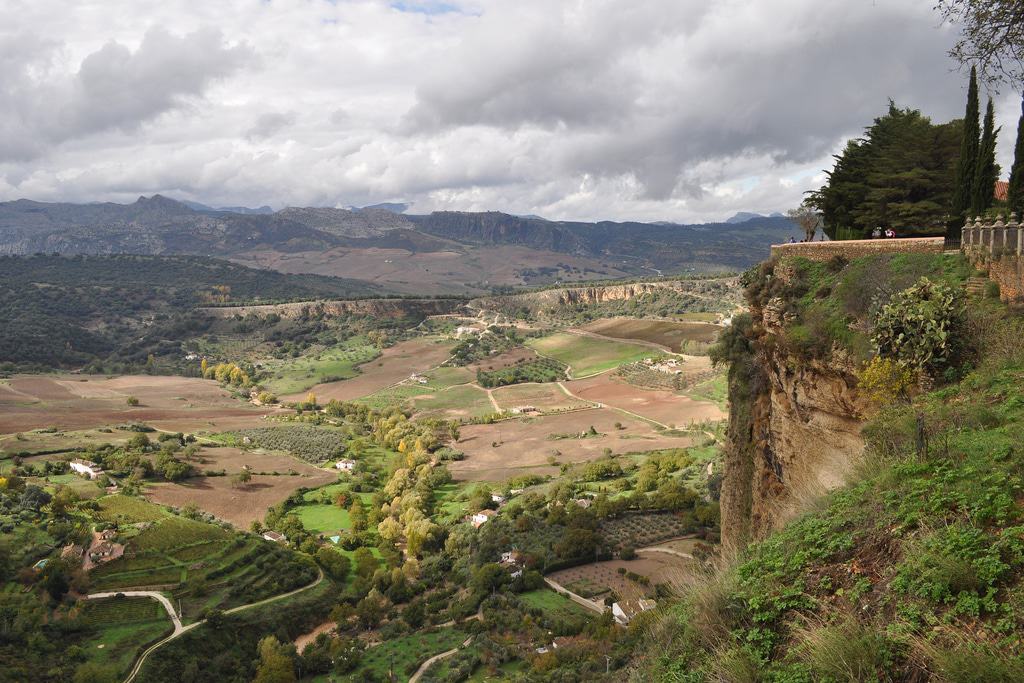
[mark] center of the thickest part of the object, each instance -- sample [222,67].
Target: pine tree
[968,155]
[1015,197]
[986,170]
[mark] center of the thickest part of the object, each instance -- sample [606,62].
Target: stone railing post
[998,234]
[983,241]
[1019,230]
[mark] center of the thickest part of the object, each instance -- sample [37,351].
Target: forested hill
[158,225]
[65,311]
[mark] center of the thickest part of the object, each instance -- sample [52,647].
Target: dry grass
[845,650]
[955,657]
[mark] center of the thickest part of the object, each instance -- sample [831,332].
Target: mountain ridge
[161,225]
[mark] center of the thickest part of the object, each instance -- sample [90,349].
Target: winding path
[159,597]
[426,665]
[667,551]
[178,628]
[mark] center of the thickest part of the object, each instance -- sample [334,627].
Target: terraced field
[202,565]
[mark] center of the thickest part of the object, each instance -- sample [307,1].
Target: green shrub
[921,327]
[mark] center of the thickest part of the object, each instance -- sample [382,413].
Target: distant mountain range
[744,216]
[159,225]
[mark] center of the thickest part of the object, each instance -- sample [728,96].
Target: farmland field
[665,407]
[496,452]
[544,397]
[315,445]
[457,402]
[78,402]
[643,530]
[665,333]
[598,580]
[240,504]
[394,364]
[589,355]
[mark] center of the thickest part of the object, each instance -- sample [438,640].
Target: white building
[86,468]
[480,518]
[495,498]
[274,536]
[346,465]
[627,609]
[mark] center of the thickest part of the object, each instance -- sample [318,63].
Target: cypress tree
[1015,198]
[986,170]
[968,156]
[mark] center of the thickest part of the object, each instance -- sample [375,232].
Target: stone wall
[850,249]
[997,247]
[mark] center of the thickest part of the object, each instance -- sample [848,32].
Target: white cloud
[604,109]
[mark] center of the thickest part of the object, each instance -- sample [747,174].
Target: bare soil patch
[395,364]
[498,451]
[665,333]
[74,402]
[240,505]
[662,406]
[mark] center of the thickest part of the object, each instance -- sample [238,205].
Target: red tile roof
[1002,190]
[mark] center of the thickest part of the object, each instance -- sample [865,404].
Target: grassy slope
[914,571]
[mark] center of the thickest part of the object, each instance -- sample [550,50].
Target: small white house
[86,468]
[480,518]
[627,609]
[346,465]
[274,537]
[495,498]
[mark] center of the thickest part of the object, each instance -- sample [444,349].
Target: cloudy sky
[680,110]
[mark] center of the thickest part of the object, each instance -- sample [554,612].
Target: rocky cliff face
[554,299]
[390,309]
[794,431]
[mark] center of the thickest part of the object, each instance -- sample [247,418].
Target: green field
[589,355]
[446,507]
[715,390]
[553,604]
[118,509]
[298,374]
[323,518]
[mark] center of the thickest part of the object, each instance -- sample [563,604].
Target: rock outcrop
[794,431]
[551,300]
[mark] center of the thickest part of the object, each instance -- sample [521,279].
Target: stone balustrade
[993,237]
